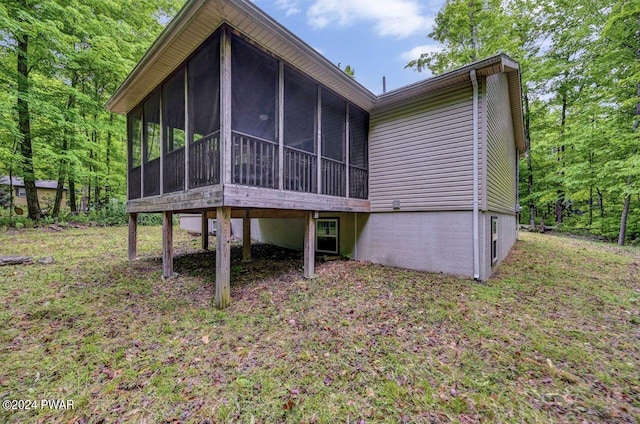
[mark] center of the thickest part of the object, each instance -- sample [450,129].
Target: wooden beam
[193,199]
[319,140]
[309,244]
[204,230]
[347,150]
[246,236]
[167,244]
[223,257]
[281,126]
[133,236]
[261,213]
[188,130]
[225,106]
[240,196]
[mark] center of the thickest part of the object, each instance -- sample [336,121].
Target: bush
[112,215]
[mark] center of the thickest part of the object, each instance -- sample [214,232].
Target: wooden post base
[223,257]
[167,244]
[309,244]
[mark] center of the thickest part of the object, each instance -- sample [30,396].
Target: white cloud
[290,7]
[397,18]
[415,52]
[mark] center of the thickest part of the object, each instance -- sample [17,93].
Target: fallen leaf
[205,339]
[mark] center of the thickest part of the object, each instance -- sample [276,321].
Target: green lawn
[553,337]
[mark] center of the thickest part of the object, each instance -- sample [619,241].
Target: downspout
[476,176]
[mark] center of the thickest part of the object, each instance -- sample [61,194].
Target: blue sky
[376,37]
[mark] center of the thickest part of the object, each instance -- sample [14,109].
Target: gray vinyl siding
[501,155]
[421,152]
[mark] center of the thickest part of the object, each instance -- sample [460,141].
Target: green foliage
[79,52]
[581,74]
[5,197]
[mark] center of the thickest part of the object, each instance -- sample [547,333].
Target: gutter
[476,176]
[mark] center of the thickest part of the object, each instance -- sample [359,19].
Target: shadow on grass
[268,263]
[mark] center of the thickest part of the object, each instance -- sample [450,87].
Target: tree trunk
[73,202]
[590,206]
[625,214]
[600,202]
[59,192]
[561,198]
[24,126]
[62,173]
[527,139]
[107,188]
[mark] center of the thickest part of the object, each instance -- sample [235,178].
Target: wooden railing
[334,178]
[204,161]
[134,183]
[152,177]
[173,174]
[300,170]
[254,161]
[358,182]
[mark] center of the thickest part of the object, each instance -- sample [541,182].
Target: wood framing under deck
[223,216]
[239,196]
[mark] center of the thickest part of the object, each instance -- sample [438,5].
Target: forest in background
[580,64]
[60,60]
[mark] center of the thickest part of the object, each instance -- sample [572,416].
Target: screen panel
[204,89]
[300,105]
[152,127]
[173,112]
[334,113]
[134,124]
[253,91]
[358,136]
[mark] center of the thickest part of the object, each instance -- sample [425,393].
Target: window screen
[152,127]
[204,89]
[333,123]
[173,112]
[253,87]
[300,103]
[135,137]
[358,136]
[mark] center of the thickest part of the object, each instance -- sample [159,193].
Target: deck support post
[204,230]
[246,236]
[167,244]
[223,257]
[309,244]
[133,236]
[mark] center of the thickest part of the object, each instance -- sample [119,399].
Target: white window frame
[336,236]
[494,240]
[22,192]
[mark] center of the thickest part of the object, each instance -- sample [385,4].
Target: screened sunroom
[287,131]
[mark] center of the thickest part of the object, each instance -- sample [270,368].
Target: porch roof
[200,18]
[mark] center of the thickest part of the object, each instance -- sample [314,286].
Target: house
[46,191]
[233,117]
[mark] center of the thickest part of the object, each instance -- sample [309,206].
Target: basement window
[494,240]
[327,235]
